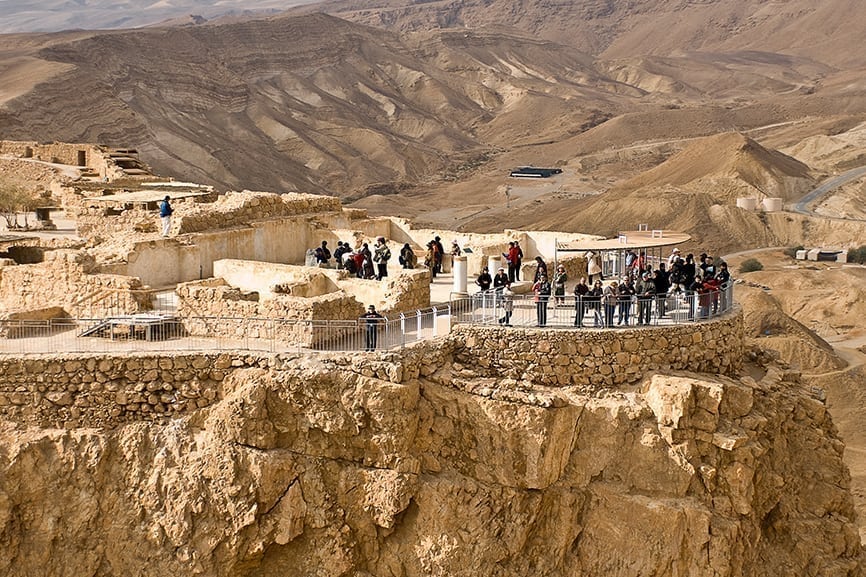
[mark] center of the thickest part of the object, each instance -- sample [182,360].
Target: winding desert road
[829,184]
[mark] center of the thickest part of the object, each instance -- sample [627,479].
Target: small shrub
[857,255]
[751,265]
[791,252]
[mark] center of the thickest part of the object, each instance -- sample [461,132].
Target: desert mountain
[727,166]
[444,101]
[694,190]
[823,32]
[312,103]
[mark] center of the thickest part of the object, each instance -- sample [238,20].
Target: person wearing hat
[165,212]
[500,279]
[675,254]
[455,249]
[559,279]
[373,320]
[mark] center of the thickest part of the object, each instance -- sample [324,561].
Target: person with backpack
[339,252]
[407,256]
[560,277]
[646,293]
[323,255]
[438,255]
[381,257]
[507,305]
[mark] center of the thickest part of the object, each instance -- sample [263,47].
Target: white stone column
[458,271]
[493,264]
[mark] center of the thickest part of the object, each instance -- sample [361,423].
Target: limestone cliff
[382,465]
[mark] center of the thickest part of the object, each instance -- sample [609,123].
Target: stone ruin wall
[106,391]
[211,308]
[109,390]
[103,222]
[241,209]
[66,279]
[401,291]
[62,153]
[196,214]
[96,158]
[598,359]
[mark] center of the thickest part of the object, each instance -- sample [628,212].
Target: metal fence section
[492,308]
[162,332]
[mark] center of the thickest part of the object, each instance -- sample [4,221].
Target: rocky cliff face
[383,466]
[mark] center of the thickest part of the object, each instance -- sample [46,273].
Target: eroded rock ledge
[394,464]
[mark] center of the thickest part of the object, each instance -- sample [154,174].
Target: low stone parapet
[598,358]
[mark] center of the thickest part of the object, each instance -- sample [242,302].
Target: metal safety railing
[161,332]
[497,308]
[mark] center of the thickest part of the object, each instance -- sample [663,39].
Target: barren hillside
[822,32]
[446,102]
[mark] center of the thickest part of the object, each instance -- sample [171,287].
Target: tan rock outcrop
[388,464]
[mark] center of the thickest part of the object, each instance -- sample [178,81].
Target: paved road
[830,184]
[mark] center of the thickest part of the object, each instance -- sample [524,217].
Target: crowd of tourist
[361,261]
[642,294]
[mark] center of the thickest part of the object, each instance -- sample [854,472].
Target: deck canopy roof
[631,239]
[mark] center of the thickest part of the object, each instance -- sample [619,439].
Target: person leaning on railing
[542,294]
[593,303]
[580,291]
[724,278]
[507,305]
[646,292]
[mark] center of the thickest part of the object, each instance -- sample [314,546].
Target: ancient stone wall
[240,209]
[401,291]
[63,153]
[212,308]
[67,279]
[109,390]
[102,223]
[596,359]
